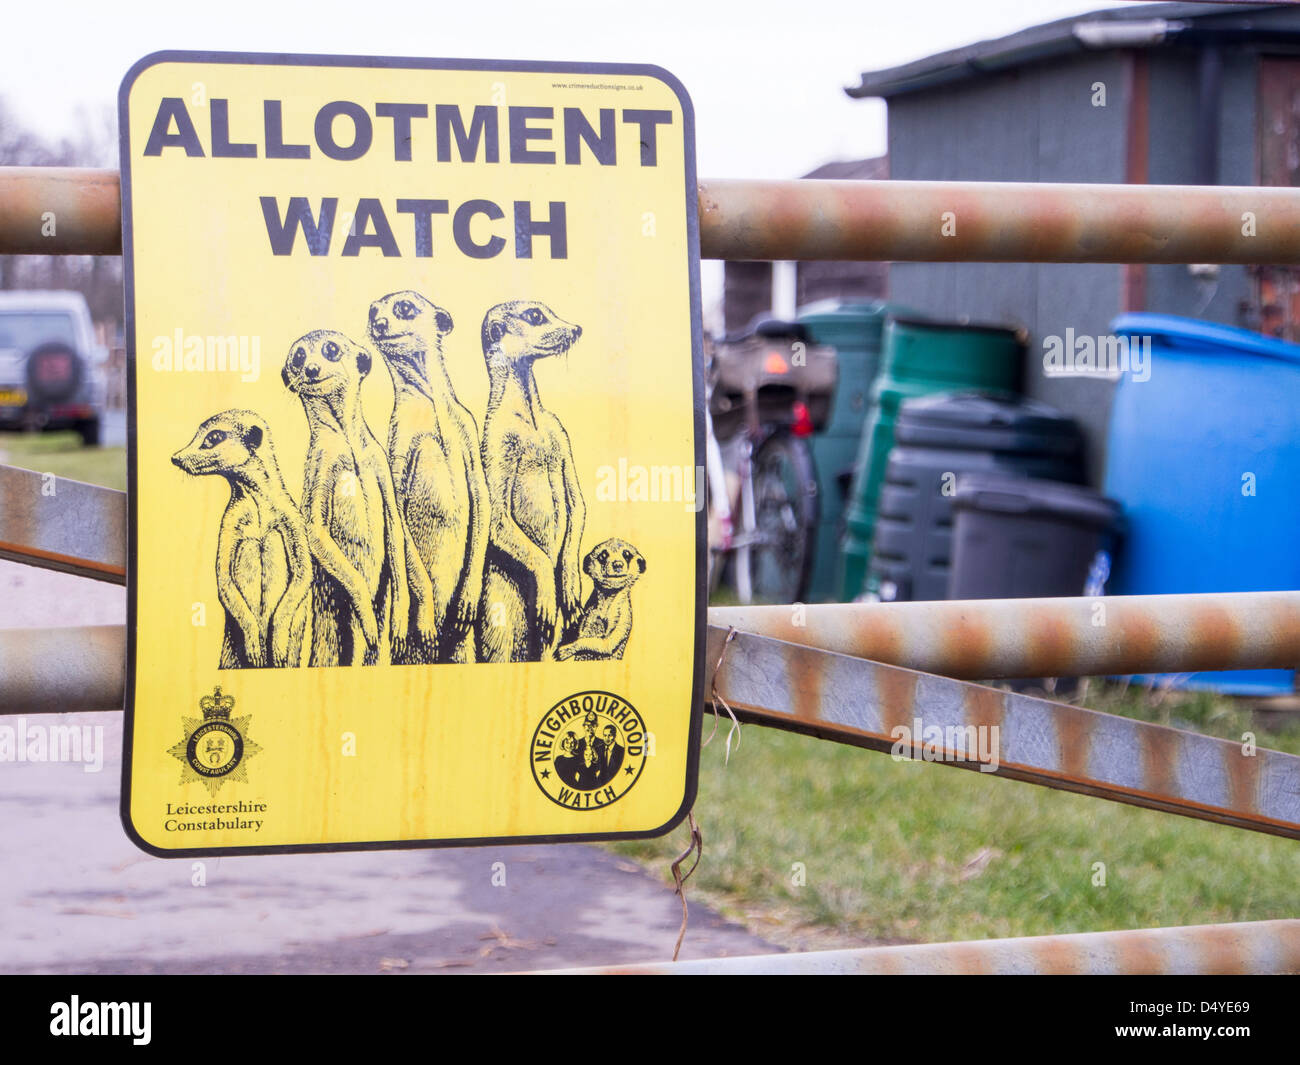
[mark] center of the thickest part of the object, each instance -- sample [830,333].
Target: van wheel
[88,430]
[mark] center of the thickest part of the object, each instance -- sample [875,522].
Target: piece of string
[697,848]
[715,697]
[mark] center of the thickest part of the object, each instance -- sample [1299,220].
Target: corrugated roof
[1144,25]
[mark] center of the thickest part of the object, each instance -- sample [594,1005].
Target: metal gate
[851,672]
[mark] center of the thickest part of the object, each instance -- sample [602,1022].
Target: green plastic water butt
[855,331]
[919,358]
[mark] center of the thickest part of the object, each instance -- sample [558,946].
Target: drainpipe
[1209,94]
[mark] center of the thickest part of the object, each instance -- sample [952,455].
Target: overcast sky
[766,79]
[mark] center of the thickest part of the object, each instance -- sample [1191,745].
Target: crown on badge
[217,706]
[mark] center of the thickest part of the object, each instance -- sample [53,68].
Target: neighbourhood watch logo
[589,750]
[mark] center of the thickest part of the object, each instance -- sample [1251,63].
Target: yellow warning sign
[415,412]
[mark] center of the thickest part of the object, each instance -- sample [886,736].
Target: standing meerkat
[530,587]
[613,566]
[263,561]
[433,451]
[361,599]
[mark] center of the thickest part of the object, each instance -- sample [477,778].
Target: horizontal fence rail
[1077,637]
[979,639]
[916,221]
[986,221]
[1271,947]
[59,671]
[84,205]
[919,715]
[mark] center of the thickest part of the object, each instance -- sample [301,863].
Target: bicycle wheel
[785,496]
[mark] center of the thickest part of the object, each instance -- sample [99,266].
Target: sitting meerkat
[606,623]
[433,450]
[531,584]
[361,598]
[263,562]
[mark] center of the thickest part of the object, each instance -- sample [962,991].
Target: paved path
[77,896]
[112,428]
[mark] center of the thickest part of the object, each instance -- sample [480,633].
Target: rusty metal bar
[990,638]
[886,708]
[921,221]
[976,639]
[59,671]
[60,210]
[61,524]
[943,221]
[964,639]
[1258,947]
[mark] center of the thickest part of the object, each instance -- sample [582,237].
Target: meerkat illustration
[361,597]
[613,566]
[433,450]
[531,583]
[263,562]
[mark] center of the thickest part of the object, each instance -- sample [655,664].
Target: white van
[51,368]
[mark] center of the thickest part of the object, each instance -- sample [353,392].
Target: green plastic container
[854,330]
[920,358]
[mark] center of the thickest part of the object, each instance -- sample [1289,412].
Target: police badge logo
[216,746]
[588,750]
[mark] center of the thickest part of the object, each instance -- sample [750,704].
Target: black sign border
[701,541]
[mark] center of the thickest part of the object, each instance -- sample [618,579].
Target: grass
[63,455]
[908,851]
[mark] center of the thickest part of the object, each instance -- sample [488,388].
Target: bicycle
[767,392]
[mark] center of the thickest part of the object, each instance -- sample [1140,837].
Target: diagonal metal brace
[63,524]
[867,704]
